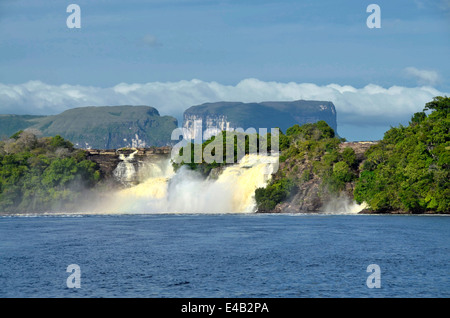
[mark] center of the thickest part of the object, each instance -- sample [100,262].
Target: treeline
[42,173]
[409,170]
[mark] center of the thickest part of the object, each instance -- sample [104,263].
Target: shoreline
[309,213]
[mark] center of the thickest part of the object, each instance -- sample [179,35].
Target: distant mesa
[103,127]
[231,115]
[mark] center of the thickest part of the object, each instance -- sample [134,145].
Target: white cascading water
[343,205]
[186,191]
[125,171]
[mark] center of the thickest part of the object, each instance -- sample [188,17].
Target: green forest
[409,170]
[42,173]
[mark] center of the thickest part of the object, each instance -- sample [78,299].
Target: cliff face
[210,118]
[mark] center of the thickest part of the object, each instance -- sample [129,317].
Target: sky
[173,54]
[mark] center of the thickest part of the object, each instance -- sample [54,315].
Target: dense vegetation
[409,169]
[42,174]
[310,151]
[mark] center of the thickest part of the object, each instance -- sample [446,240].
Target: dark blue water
[225,255]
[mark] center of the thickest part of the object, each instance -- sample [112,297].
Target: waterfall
[125,171]
[186,191]
[243,179]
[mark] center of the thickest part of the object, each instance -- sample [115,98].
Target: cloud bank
[371,105]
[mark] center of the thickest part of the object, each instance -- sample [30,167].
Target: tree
[439,104]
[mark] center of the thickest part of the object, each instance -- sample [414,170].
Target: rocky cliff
[210,118]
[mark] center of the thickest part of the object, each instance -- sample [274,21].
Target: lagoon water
[224,255]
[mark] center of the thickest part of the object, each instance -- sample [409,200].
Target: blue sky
[224,42]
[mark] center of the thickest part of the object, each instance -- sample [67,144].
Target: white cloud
[371,105]
[424,77]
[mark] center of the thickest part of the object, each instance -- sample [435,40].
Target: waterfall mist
[161,190]
[343,205]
